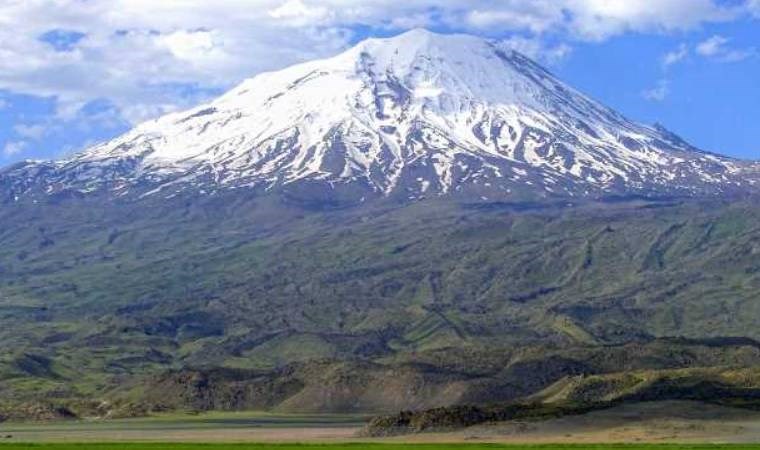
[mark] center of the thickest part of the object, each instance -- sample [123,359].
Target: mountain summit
[417,115]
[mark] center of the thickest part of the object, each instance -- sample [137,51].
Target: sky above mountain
[75,72]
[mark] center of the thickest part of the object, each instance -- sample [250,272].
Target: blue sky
[713,101]
[75,72]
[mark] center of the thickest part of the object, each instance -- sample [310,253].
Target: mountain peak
[416,57]
[414,115]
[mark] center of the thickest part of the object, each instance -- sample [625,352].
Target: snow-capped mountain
[416,115]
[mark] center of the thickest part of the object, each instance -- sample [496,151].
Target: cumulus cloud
[14,147]
[599,19]
[191,45]
[298,13]
[147,57]
[32,131]
[712,46]
[537,17]
[659,92]
[675,56]
[754,7]
[717,47]
[537,49]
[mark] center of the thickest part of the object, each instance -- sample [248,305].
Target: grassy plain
[189,427]
[679,422]
[370,446]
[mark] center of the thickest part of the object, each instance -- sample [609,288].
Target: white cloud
[537,49]
[417,20]
[716,47]
[712,46]
[190,45]
[536,16]
[299,14]
[599,19]
[754,7]
[13,148]
[147,57]
[34,131]
[675,56]
[657,93]
[4,104]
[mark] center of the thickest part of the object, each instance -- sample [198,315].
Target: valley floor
[687,423]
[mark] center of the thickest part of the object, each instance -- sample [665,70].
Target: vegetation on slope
[103,301]
[583,393]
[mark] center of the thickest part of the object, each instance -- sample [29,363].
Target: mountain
[198,262]
[412,116]
[241,302]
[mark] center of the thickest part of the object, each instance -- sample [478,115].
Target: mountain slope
[416,115]
[485,298]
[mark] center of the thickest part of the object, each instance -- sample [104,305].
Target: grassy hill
[107,299]
[580,394]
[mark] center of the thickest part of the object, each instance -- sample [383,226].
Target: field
[450,446]
[673,422]
[207,427]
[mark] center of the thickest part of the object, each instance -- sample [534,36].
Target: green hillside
[106,299]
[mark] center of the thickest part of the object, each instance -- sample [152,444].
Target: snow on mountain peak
[414,115]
